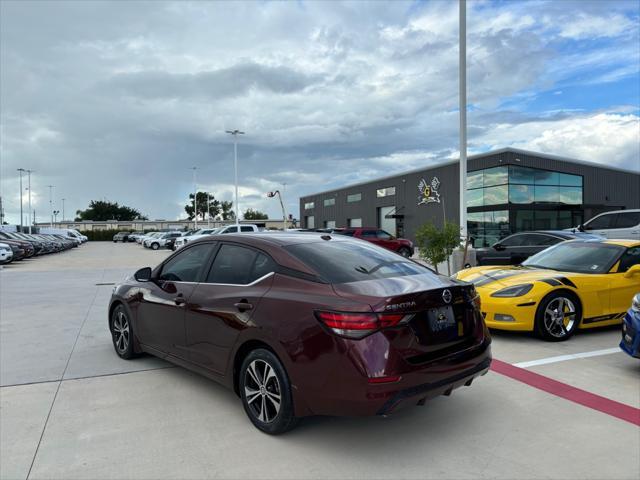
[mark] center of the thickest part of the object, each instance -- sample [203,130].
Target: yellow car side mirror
[633,270]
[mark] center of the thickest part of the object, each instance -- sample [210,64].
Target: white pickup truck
[244,228]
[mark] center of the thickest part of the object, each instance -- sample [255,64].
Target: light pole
[21,170]
[195,195]
[51,203]
[29,172]
[55,216]
[462,72]
[63,208]
[235,134]
[208,210]
[284,214]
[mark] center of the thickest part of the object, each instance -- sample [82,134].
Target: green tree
[435,245]
[252,214]
[201,202]
[226,211]
[101,210]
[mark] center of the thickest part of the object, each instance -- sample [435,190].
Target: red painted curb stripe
[573,394]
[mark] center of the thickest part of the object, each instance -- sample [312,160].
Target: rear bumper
[347,392]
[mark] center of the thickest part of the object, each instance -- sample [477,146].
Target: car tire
[115,241]
[122,333]
[558,316]
[260,398]
[405,252]
[155,246]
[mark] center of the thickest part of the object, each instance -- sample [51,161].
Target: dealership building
[508,190]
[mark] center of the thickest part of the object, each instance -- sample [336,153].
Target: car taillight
[358,325]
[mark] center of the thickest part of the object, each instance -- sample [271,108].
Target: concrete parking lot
[70,408]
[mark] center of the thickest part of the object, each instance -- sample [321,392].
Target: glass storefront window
[495,176]
[524,220]
[570,180]
[547,194]
[570,195]
[546,220]
[474,179]
[544,177]
[520,194]
[496,195]
[474,198]
[522,175]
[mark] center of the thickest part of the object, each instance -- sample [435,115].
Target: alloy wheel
[262,391]
[560,317]
[121,332]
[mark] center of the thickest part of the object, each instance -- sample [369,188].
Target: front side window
[513,241]
[579,257]
[233,229]
[328,202]
[236,265]
[186,265]
[382,235]
[369,234]
[600,223]
[630,258]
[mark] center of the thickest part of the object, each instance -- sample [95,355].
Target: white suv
[622,224]
[244,228]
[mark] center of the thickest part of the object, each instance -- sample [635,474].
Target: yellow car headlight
[516,291]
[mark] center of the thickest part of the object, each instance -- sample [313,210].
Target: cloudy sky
[118,100]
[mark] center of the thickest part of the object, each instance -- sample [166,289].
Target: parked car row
[16,246]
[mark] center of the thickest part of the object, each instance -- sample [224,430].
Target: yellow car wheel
[558,316]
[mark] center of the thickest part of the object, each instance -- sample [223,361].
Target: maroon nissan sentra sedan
[305,324]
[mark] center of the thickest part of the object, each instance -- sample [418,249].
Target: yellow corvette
[575,284]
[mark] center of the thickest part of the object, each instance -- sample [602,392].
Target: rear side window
[353,261]
[185,267]
[236,265]
[627,220]
[246,229]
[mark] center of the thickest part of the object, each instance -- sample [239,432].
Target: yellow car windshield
[579,257]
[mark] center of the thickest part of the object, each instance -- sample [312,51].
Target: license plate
[442,319]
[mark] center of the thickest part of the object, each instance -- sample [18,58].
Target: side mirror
[581,228]
[633,270]
[143,275]
[498,246]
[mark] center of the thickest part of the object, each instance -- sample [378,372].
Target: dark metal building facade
[509,190]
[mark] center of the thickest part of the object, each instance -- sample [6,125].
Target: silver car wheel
[559,317]
[121,332]
[262,391]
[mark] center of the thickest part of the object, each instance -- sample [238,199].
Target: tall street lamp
[21,170]
[235,134]
[29,172]
[51,203]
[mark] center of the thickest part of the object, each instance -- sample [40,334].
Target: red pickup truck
[380,237]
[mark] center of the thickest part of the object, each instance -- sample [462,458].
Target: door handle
[179,300]
[243,305]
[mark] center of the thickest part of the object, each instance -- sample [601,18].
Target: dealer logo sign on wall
[429,192]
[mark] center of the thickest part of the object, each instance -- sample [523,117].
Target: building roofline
[476,156]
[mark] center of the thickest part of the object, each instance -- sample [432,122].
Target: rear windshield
[577,256]
[344,262]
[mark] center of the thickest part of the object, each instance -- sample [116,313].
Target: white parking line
[562,358]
